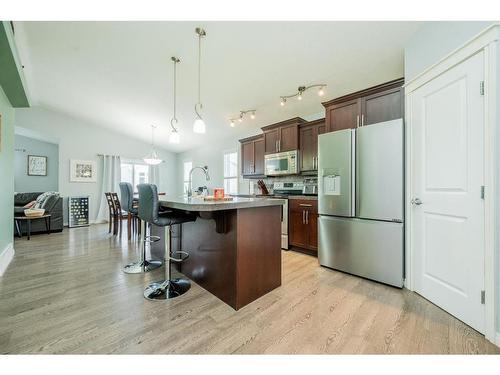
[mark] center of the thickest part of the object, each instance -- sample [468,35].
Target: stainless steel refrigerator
[360,201]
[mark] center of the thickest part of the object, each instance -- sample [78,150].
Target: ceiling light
[241,116]
[199,125]
[300,92]
[152,158]
[174,135]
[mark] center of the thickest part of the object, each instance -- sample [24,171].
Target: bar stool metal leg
[142,265]
[168,288]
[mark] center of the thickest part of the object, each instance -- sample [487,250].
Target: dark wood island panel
[235,254]
[242,261]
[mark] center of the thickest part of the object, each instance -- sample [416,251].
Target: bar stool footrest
[184,256]
[151,239]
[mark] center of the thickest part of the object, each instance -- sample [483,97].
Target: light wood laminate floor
[66,293]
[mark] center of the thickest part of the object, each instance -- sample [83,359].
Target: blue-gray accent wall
[24,146]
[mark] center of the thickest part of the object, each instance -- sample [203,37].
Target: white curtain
[111,177]
[154,175]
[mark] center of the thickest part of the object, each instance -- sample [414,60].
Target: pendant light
[152,158]
[174,135]
[199,125]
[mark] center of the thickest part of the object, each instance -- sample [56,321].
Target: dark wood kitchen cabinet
[303,224]
[282,136]
[376,104]
[252,156]
[308,144]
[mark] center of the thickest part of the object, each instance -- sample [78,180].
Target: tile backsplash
[253,188]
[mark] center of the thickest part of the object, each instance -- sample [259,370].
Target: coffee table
[28,220]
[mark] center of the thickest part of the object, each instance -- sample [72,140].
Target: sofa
[53,205]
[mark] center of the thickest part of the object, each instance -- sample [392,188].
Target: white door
[447,119]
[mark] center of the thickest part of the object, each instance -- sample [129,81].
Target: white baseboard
[5,257]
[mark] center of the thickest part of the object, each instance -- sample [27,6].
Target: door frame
[485,41]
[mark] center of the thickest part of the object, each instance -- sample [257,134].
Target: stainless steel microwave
[282,163]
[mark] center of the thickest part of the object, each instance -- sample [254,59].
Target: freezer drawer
[367,248]
[336,173]
[379,171]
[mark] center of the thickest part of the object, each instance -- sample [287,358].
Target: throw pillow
[40,201]
[30,204]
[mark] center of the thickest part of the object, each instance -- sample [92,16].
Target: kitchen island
[234,246]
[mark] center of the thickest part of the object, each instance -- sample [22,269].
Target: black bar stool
[149,211]
[142,265]
[127,200]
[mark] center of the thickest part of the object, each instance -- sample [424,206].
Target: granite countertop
[304,197]
[198,204]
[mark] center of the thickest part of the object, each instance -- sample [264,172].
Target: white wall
[434,40]
[430,44]
[80,140]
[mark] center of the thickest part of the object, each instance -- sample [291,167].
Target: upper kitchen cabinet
[308,141]
[282,136]
[382,106]
[344,115]
[252,156]
[376,104]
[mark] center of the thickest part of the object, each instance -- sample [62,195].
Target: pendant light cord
[199,78]
[199,69]
[174,119]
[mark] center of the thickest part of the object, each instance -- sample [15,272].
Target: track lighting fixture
[300,92]
[241,116]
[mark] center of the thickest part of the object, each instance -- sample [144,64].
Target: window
[187,168]
[134,173]
[231,172]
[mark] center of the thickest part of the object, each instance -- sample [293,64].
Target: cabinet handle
[303,216]
[357,121]
[362,120]
[276,146]
[279,145]
[307,217]
[305,205]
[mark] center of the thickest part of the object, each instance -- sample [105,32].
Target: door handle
[416,201]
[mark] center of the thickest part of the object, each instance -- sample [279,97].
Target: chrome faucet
[190,187]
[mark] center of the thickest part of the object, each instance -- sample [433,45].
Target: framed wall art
[37,165]
[82,171]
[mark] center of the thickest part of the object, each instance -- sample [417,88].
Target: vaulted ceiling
[120,75]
